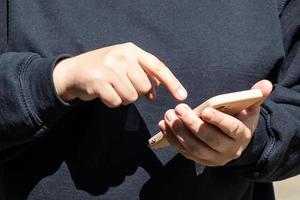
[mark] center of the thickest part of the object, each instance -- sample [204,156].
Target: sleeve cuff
[43,103]
[252,160]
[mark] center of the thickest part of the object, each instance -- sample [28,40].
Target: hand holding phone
[231,103]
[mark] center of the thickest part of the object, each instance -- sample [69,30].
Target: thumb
[265,87]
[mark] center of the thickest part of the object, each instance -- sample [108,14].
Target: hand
[215,138]
[117,75]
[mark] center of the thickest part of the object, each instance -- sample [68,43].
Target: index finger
[154,67]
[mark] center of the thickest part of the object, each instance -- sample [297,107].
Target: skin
[117,75]
[215,138]
[120,74]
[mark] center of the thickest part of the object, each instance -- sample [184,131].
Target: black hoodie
[50,149]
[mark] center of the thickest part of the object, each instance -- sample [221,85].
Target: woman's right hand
[118,75]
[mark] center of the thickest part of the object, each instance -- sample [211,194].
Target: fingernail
[207,114]
[170,116]
[182,93]
[181,110]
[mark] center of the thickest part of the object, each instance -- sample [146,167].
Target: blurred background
[288,189]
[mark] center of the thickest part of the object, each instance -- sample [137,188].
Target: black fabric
[53,150]
[3,25]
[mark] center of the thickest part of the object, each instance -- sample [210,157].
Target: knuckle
[116,102]
[236,154]
[155,59]
[114,56]
[146,87]
[157,69]
[218,120]
[157,65]
[111,100]
[248,134]
[90,91]
[234,129]
[192,123]
[132,97]
[130,45]
[95,77]
[108,60]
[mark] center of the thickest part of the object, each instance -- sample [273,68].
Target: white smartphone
[230,103]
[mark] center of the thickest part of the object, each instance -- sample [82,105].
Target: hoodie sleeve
[29,105]
[274,152]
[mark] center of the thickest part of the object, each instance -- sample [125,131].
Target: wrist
[62,81]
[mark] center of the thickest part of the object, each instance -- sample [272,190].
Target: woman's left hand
[215,138]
